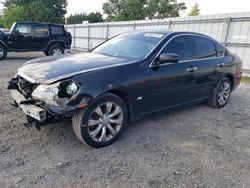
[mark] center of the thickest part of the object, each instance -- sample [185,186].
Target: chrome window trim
[184,61]
[162,39]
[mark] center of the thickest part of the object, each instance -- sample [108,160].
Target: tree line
[33,10]
[113,10]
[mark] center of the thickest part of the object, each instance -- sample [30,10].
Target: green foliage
[77,18]
[95,17]
[120,10]
[164,8]
[134,10]
[92,17]
[14,13]
[34,10]
[195,11]
[245,79]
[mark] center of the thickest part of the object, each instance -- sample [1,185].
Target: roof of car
[44,23]
[167,32]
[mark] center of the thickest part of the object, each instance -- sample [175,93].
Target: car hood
[51,69]
[4,33]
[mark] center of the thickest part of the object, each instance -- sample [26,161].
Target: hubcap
[56,51]
[224,93]
[105,122]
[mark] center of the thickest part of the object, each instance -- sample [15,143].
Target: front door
[170,84]
[22,37]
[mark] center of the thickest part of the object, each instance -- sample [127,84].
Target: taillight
[238,75]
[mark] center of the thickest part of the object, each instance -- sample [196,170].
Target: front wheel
[101,123]
[222,94]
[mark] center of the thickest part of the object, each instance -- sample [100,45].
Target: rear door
[207,63]
[41,36]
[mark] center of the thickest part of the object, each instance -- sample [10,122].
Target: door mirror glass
[168,58]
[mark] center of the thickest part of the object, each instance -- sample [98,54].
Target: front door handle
[192,69]
[220,64]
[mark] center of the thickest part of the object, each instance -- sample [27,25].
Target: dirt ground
[198,146]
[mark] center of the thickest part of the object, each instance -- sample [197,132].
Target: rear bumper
[67,46]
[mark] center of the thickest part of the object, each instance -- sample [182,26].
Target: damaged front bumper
[37,114]
[46,110]
[40,114]
[31,110]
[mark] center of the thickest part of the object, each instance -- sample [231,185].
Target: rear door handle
[192,69]
[220,64]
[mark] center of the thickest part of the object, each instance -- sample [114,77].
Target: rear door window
[56,30]
[204,48]
[181,46]
[41,30]
[220,49]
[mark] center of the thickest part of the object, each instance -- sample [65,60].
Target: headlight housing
[72,88]
[57,94]
[46,93]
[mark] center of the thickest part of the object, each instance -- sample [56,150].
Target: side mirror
[168,58]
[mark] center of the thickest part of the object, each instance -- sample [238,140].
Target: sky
[207,6]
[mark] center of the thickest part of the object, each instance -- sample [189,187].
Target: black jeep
[52,39]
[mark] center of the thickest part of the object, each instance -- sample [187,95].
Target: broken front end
[46,103]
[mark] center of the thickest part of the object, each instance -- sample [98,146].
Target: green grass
[245,79]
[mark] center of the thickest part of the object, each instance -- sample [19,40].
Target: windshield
[130,45]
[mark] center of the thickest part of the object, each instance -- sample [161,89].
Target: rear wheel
[56,50]
[3,52]
[101,123]
[221,94]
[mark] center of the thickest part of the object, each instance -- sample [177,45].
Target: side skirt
[169,108]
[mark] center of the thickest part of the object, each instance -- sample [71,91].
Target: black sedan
[124,79]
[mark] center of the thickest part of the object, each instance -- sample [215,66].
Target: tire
[221,94]
[3,52]
[102,122]
[46,53]
[56,50]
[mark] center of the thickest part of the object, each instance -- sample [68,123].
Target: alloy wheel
[105,122]
[224,93]
[1,52]
[56,52]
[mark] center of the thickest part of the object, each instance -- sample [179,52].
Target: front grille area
[26,87]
